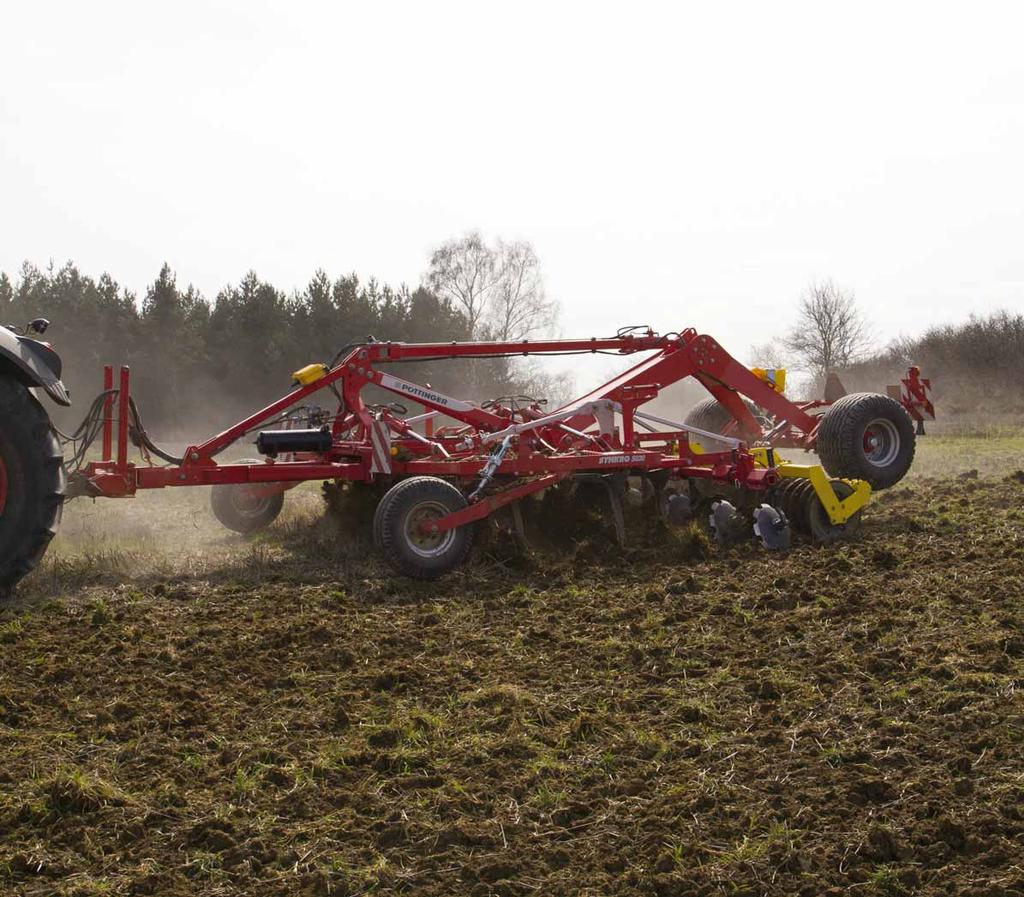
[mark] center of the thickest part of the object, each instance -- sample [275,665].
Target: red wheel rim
[3,485]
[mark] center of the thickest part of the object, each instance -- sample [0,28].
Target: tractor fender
[32,363]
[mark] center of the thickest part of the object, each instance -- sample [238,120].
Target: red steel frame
[367,443]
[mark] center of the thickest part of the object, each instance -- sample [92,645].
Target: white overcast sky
[677,164]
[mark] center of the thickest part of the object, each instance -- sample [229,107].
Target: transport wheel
[398,534]
[32,483]
[867,436]
[708,414]
[242,508]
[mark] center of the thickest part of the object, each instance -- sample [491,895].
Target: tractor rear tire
[242,512]
[32,483]
[404,546]
[867,436]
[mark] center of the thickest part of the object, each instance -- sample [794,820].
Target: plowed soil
[693,721]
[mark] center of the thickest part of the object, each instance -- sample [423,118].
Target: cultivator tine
[615,486]
[518,527]
[618,516]
[726,522]
[772,528]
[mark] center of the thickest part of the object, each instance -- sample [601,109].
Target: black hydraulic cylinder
[281,442]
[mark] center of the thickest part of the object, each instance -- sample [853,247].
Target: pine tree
[6,299]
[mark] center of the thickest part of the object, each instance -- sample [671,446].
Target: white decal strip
[420,394]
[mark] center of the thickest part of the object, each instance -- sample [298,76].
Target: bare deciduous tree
[499,289]
[520,307]
[555,386]
[465,271]
[830,332]
[768,355]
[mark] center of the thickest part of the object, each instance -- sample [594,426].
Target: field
[186,712]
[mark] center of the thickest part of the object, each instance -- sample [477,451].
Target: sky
[674,164]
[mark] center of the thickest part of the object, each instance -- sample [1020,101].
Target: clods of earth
[846,720]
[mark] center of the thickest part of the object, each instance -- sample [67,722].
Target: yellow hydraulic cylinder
[310,374]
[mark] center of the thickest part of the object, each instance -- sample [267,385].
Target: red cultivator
[458,462]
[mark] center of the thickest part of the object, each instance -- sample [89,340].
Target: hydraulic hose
[140,437]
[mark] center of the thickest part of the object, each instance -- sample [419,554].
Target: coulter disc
[824,530]
[799,502]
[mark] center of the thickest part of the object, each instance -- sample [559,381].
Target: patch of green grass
[11,631]
[247,783]
[71,790]
[99,612]
[646,742]
[87,886]
[884,880]
[989,454]
[547,798]
[192,761]
[755,847]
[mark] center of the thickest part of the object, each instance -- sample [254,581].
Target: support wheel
[32,483]
[400,538]
[708,414]
[867,436]
[243,508]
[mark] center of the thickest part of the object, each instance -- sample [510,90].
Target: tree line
[197,363]
[976,366]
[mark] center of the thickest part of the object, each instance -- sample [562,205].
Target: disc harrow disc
[824,530]
[794,502]
[800,503]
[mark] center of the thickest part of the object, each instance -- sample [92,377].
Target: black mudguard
[33,363]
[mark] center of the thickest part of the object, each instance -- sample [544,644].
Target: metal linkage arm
[686,428]
[402,427]
[601,409]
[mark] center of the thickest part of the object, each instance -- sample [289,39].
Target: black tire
[376,521]
[242,512]
[867,436]
[32,483]
[709,414]
[409,552]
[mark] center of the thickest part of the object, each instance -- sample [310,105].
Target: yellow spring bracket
[839,510]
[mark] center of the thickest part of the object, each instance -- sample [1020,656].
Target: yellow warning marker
[310,374]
